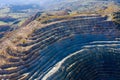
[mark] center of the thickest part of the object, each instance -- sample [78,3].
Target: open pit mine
[81,48]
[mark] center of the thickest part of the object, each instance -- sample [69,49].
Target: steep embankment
[79,46]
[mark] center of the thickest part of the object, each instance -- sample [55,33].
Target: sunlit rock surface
[84,48]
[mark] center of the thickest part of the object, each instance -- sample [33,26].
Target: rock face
[93,62]
[84,48]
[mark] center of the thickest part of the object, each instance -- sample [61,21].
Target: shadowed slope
[58,42]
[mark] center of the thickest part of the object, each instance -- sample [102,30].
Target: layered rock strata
[77,49]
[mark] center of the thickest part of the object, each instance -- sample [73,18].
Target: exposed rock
[66,50]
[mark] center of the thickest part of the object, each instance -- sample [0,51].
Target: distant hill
[19,8]
[76,4]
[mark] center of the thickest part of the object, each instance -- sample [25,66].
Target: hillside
[78,42]
[80,5]
[15,16]
[40,44]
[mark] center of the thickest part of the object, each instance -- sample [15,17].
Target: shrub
[23,41]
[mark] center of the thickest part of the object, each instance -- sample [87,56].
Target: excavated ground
[84,48]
